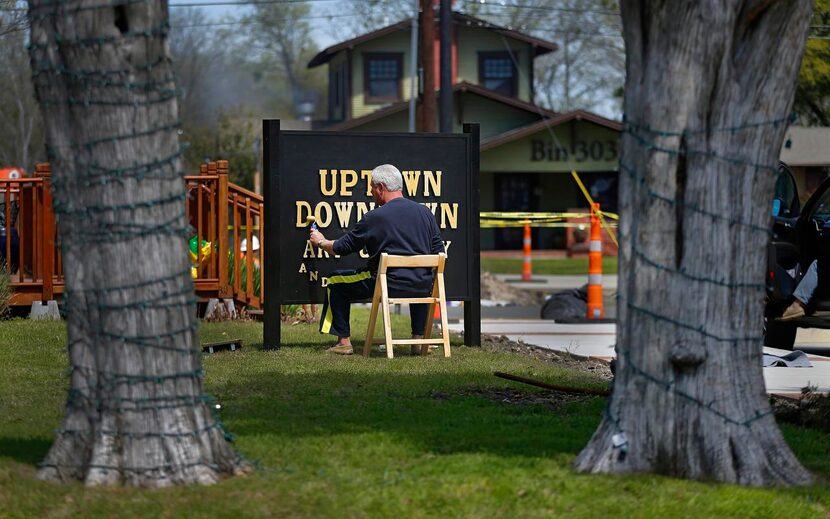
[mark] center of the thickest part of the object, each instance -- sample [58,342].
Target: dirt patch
[552,399]
[494,289]
[548,398]
[503,343]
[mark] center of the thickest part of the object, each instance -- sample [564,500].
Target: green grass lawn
[354,437]
[547,266]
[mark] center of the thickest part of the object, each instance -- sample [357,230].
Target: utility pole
[446,66]
[413,67]
[429,106]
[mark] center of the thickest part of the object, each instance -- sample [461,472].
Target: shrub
[243,273]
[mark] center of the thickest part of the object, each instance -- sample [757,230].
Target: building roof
[808,146]
[539,46]
[556,120]
[463,86]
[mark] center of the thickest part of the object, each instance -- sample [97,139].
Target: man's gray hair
[389,176]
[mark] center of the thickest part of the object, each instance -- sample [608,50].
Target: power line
[205,4]
[248,22]
[524,26]
[504,5]
[246,2]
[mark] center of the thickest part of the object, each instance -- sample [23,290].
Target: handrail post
[222,226]
[47,259]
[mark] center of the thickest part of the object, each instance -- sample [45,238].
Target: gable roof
[458,87]
[530,129]
[539,45]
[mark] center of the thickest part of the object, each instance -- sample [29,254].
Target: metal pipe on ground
[557,387]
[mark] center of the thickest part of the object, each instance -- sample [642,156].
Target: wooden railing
[27,238]
[221,213]
[224,214]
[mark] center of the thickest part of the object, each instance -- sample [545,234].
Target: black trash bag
[568,305]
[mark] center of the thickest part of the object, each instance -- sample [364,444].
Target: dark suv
[799,237]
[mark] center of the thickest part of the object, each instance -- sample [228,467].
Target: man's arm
[437,245]
[317,239]
[350,242]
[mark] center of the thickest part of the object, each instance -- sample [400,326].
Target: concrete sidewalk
[597,341]
[553,283]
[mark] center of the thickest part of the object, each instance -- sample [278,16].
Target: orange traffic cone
[596,310]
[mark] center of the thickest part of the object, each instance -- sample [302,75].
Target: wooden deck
[220,213]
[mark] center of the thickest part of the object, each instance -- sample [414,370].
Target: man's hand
[316,237]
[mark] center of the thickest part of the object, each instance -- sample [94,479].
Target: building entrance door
[515,192]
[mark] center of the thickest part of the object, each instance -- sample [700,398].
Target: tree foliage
[280,45]
[812,97]
[21,127]
[231,138]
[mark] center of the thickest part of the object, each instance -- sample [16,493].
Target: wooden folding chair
[381,299]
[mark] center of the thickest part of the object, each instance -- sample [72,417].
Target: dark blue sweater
[400,226]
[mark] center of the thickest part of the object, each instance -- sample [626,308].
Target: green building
[527,152]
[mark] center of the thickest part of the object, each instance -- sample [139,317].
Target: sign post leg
[271,260]
[472,308]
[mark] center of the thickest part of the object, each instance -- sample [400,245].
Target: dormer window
[382,73]
[497,72]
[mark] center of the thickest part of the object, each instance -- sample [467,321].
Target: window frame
[500,54]
[367,58]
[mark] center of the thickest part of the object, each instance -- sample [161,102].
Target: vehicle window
[785,203]
[822,210]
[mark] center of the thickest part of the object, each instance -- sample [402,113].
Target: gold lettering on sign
[303,210]
[450,215]
[344,213]
[363,208]
[411,179]
[309,250]
[302,268]
[323,189]
[447,247]
[322,211]
[312,275]
[324,281]
[322,254]
[348,179]
[432,178]
[366,174]
[323,214]
[432,206]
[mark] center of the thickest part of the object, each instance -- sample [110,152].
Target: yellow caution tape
[487,223]
[591,201]
[500,215]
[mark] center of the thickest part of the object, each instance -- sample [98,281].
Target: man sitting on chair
[396,226]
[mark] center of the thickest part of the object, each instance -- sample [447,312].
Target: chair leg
[373,319]
[442,300]
[387,320]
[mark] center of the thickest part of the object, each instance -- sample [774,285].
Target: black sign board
[326,175]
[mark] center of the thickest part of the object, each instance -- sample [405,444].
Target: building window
[337,91]
[382,73]
[497,72]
